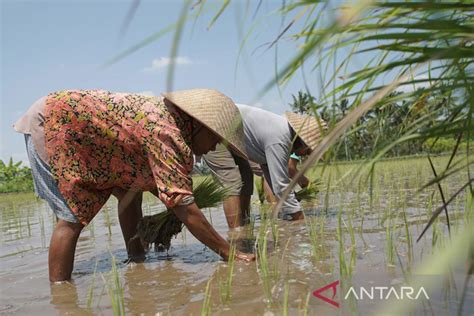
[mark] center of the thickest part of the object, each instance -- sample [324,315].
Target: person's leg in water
[130,213]
[62,249]
[68,228]
[235,174]
[291,217]
[246,190]
[237,207]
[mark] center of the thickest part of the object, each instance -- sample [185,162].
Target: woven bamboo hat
[308,128]
[214,110]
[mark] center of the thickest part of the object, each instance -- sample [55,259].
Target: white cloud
[163,62]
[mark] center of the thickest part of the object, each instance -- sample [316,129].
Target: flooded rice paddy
[360,233]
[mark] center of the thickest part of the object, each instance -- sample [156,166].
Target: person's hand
[242,256]
[303,182]
[295,216]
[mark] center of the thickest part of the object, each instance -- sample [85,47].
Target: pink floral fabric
[97,140]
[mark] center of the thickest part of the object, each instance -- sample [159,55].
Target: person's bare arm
[303,181]
[197,224]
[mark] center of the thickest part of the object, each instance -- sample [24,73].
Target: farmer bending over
[268,139]
[268,195]
[84,145]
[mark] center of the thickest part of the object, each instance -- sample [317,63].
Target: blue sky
[53,45]
[50,45]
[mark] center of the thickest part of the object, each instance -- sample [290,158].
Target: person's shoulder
[253,109]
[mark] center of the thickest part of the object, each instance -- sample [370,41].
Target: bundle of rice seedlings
[160,228]
[309,193]
[209,193]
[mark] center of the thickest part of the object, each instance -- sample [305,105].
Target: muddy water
[350,227]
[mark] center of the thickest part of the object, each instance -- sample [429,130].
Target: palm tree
[303,103]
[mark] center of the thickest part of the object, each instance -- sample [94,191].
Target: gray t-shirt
[268,139]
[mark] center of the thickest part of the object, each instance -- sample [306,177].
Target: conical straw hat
[214,110]
[308,128]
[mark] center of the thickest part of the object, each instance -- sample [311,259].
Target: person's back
[97,140]
[263,129]
[268,141]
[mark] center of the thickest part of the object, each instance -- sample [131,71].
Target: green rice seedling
[328,191]
[457,213]
[53,219]
[91,228]
[42,232]
[28,224]
[389,242]
[275,232]
[160,228]
[107,221]
[118,289]
[102,291]
[263,266]
[264,211]
[18,221]
[313,236]
[436,233]
[90,292]
[206,305]
[305,303]
[344,270]
[276,270]
[310,192]
[405,272]
[225,286]
[209,193]
[115,290]
[250,231]
[316,236]
[408,238]
[469,210]
[353,244]
[285,299]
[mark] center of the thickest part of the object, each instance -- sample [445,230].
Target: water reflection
[65,300]
[140,286]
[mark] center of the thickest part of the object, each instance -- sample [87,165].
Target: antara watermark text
[386,293]
[371,293]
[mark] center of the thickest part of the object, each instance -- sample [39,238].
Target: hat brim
[216,112]
[309,129]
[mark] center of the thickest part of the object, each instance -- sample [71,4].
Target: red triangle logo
[331,301]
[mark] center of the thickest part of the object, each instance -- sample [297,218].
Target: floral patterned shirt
[97,140]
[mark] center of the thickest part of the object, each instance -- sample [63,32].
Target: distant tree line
[381,126]
[15,178]
[378,128]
